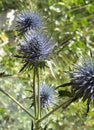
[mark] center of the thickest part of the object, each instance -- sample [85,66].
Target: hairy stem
[14,100]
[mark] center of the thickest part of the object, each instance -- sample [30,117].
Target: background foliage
[70,22]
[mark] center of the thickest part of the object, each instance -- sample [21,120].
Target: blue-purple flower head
[48,96]
[82,79]
[28,21]
[35,50]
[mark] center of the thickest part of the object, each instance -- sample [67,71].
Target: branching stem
[14,100]
[63,105]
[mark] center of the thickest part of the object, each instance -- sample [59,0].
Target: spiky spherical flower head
[48,96]
[35,50]
[82,79]
[28,21]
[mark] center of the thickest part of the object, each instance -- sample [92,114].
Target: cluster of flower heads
[82,79]
[28,21]
[36,47]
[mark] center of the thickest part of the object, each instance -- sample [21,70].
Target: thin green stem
[37,124]
[39,107]
[13,99]
[34,92]
[63,105]
[79,7]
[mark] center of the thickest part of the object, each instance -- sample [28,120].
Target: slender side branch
[64,44]
[63,85]
[63,105]
[13,99]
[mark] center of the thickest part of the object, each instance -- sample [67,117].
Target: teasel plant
[36,50]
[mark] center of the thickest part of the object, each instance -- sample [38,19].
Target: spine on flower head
[35,49]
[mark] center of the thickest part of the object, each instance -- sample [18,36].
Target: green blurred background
[71,23]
